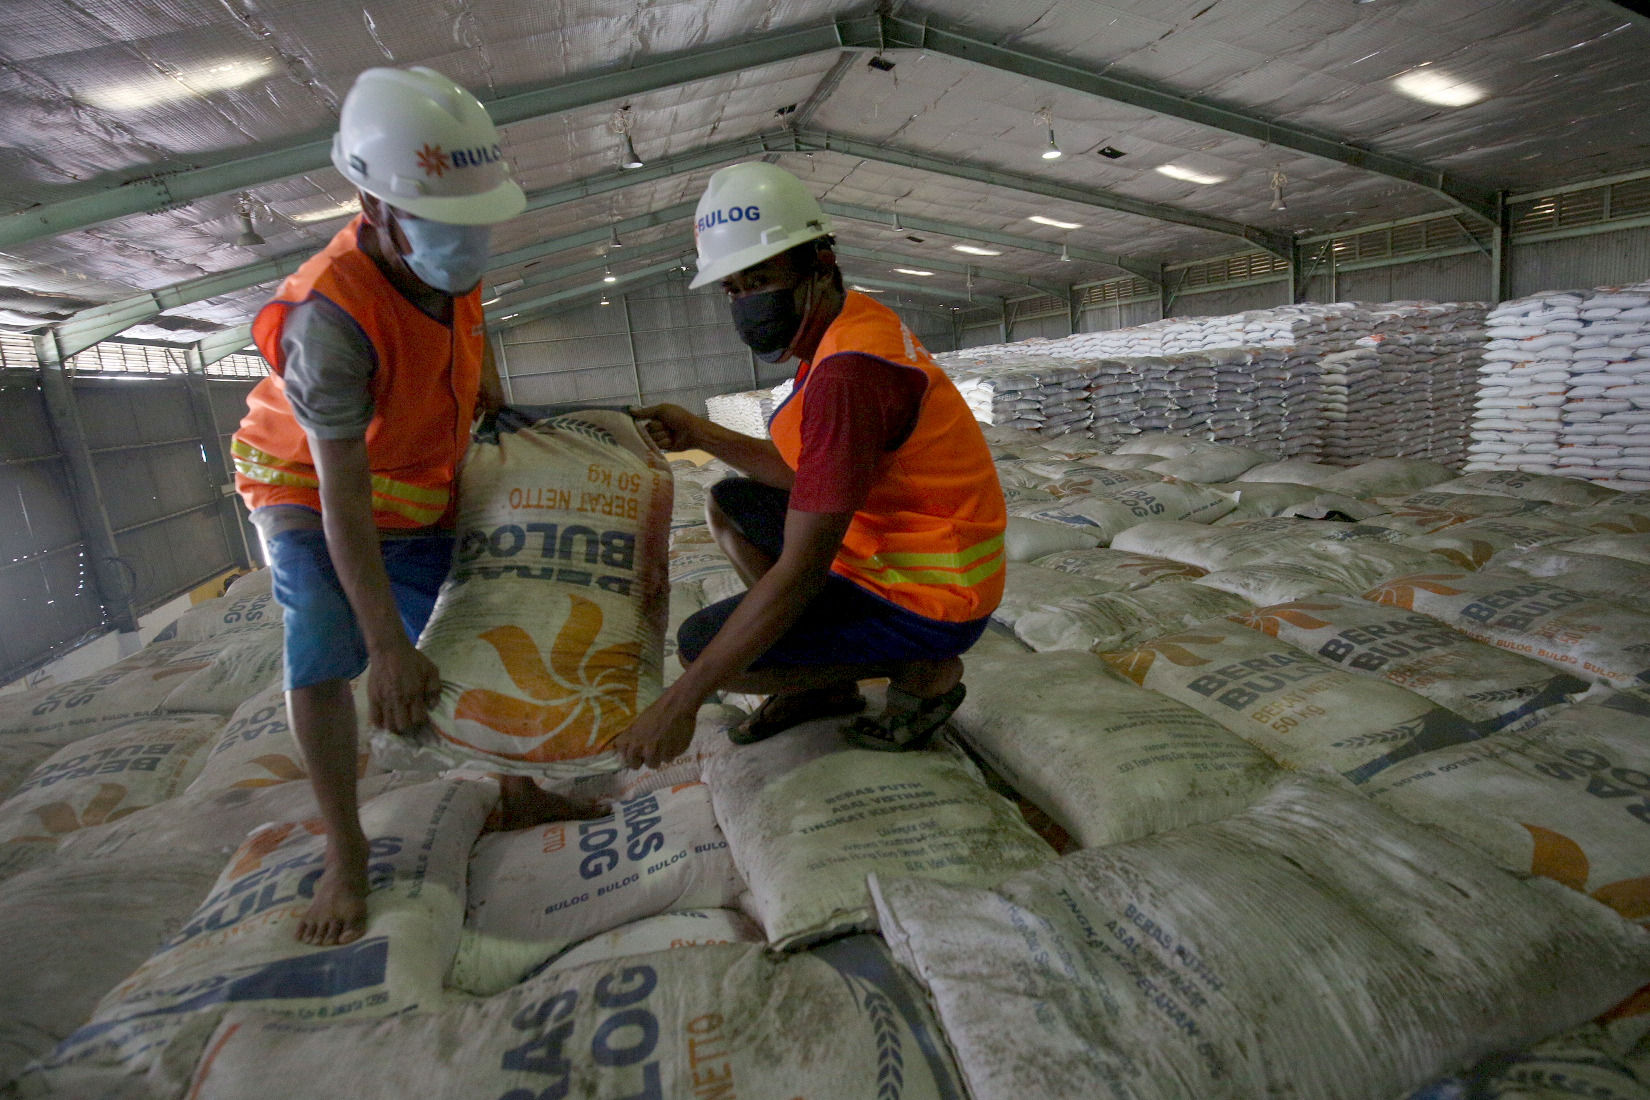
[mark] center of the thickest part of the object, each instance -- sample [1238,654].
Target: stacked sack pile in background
[747,412]
[1014,389]
[1406,390]
[1565,387]
[1284,783]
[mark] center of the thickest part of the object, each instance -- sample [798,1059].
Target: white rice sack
[1515,483]
[1489,686]
[1627,582]
[35,724]
[1161,444]
[1113,620]
[1471,544]
[244,608]
[1108,761]
[807,818]
[101,778]
[535,892]
[238,947]
[1280,498]
[1295,471]
[718,1021]
[1255,956]
[1027,539]
[665,932]
[1629,548]
[1263,585]
[1597,1060]
[1388,475]
[1568,800]
[549,633]
[1425,512]
[258,748]
[1209,464]
[241,669]
[1027,586]
[1297,709]
[1119,570]
[1598,640]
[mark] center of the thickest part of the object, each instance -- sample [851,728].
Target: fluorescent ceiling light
[1174,171]
[913,271]
[864,289]
[975,250]
[1437,87]
[1055,222]
[337,210]
[161,88]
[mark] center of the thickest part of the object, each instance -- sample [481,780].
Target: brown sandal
[791,708]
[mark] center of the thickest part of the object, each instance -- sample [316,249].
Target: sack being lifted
[549,631]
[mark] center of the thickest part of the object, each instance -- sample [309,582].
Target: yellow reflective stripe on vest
[963,568]
[422,506]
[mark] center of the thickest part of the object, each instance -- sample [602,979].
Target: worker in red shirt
[869,527]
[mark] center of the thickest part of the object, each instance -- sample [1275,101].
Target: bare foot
[338,914]
[523,804]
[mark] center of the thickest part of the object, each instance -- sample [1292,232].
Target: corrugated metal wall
[173,526]
[1217,303]
[1598,259]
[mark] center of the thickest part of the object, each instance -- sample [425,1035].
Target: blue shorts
[844,625]
[323,640]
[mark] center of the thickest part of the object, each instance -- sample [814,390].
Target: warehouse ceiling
[133,136]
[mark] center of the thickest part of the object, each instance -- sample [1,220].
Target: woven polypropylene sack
[718,1021]
[549,633]
[1255,956]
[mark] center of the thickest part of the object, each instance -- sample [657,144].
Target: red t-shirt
[859,408]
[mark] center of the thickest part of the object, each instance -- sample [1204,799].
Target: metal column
[630,340]
[110,572]
[223,482]
[1501,253]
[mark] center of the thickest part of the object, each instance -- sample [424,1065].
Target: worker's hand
[402,686]
[659,735]
[671,427]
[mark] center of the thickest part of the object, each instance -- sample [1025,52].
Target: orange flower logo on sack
[1629,524]
[1136,663]
[1400,592]
[1267,619]
[1477,553]
[574,705]
[1561,859]
[1164,568]
[60,817]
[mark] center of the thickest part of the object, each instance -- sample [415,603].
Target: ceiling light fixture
[898,228]
[1046,116]
[1065,256]
[975,250]
[249,237]
[1278,180]
[508,285]
[605,301]
[1055,222]
[613,238]
[336,210]
[628,157]
[864,289]
[1175,172]
[1438,88]
[913,271]
[176,84]
[607,274]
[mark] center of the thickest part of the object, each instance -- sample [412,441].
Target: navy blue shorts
[323,640]
[844,625]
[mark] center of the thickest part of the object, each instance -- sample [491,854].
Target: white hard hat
[749,213]
[418,141]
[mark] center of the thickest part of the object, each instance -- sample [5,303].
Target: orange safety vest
[424,393]
[929,538]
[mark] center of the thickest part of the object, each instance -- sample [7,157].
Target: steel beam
[223,344]
[919,31]
[953,229]
[1501,253]
[110,571]
[821,141]
[530,311]
[951,267]
[160,190]
[223,482]
[675,244]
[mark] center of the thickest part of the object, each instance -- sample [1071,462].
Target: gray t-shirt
[329,368]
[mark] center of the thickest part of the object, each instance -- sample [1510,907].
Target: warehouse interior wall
[164,503]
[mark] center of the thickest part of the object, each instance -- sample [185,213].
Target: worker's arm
[673,428]
[401,681]
[769,609]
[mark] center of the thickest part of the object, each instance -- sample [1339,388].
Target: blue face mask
[446,257]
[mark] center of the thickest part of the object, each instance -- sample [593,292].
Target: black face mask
[767,322]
